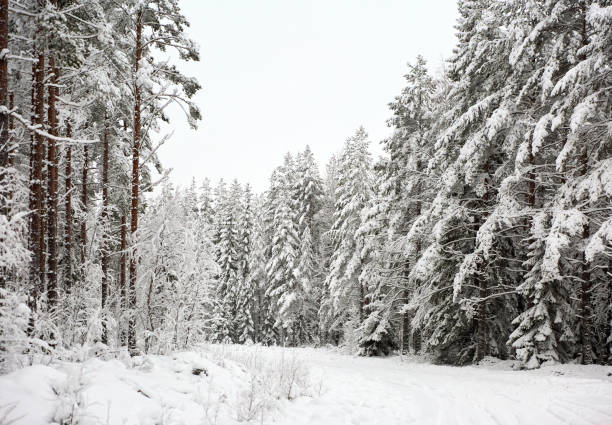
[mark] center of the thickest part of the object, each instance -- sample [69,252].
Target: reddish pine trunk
[68,209]
[4,119]
[52,189]
[33,266]
[40,154]
[12,151]
[84,206]
[123,269]
[4,116]
[43,222]
[105,228]
[32,139]
[36,236]
[135,183]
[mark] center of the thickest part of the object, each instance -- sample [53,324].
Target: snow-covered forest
[484,230]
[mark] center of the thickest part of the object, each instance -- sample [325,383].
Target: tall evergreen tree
[402,191]
[285,286]
[353,191]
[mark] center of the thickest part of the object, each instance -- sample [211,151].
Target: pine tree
[65,84]
[153,79]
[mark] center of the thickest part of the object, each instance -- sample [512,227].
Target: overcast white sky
[280,74]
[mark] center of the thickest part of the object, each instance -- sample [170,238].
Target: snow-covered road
[386,391]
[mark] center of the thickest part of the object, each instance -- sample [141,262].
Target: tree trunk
[585,306]
[105,230]
[481,309]
[32,138]
[408,332]
[416,333]
[4,122]
[52,189]
[585,312]
[258,325]
[361,302]
[32,221]
[608,329]
[84,207]
[406,328]
[4,116]
[68,209]
[531,177]
[122,274]
[43,221]
[481,315]
[36,237]
[135,184]
[12,153]
[406,319]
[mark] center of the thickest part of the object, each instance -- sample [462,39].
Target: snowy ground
[233,384]
[387,391]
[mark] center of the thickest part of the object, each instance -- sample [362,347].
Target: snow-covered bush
[20,346]
[274,375]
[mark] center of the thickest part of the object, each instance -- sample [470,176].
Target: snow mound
[182,388]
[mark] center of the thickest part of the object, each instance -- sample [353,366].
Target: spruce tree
[285,285]
[353,191]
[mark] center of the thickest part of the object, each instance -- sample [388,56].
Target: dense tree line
[83,89]
[489,234]
[484,230]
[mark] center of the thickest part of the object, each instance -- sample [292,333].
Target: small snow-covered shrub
[211,405]
[274,375]
[18,348]
[70,395]
[351,336]
[13,330]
